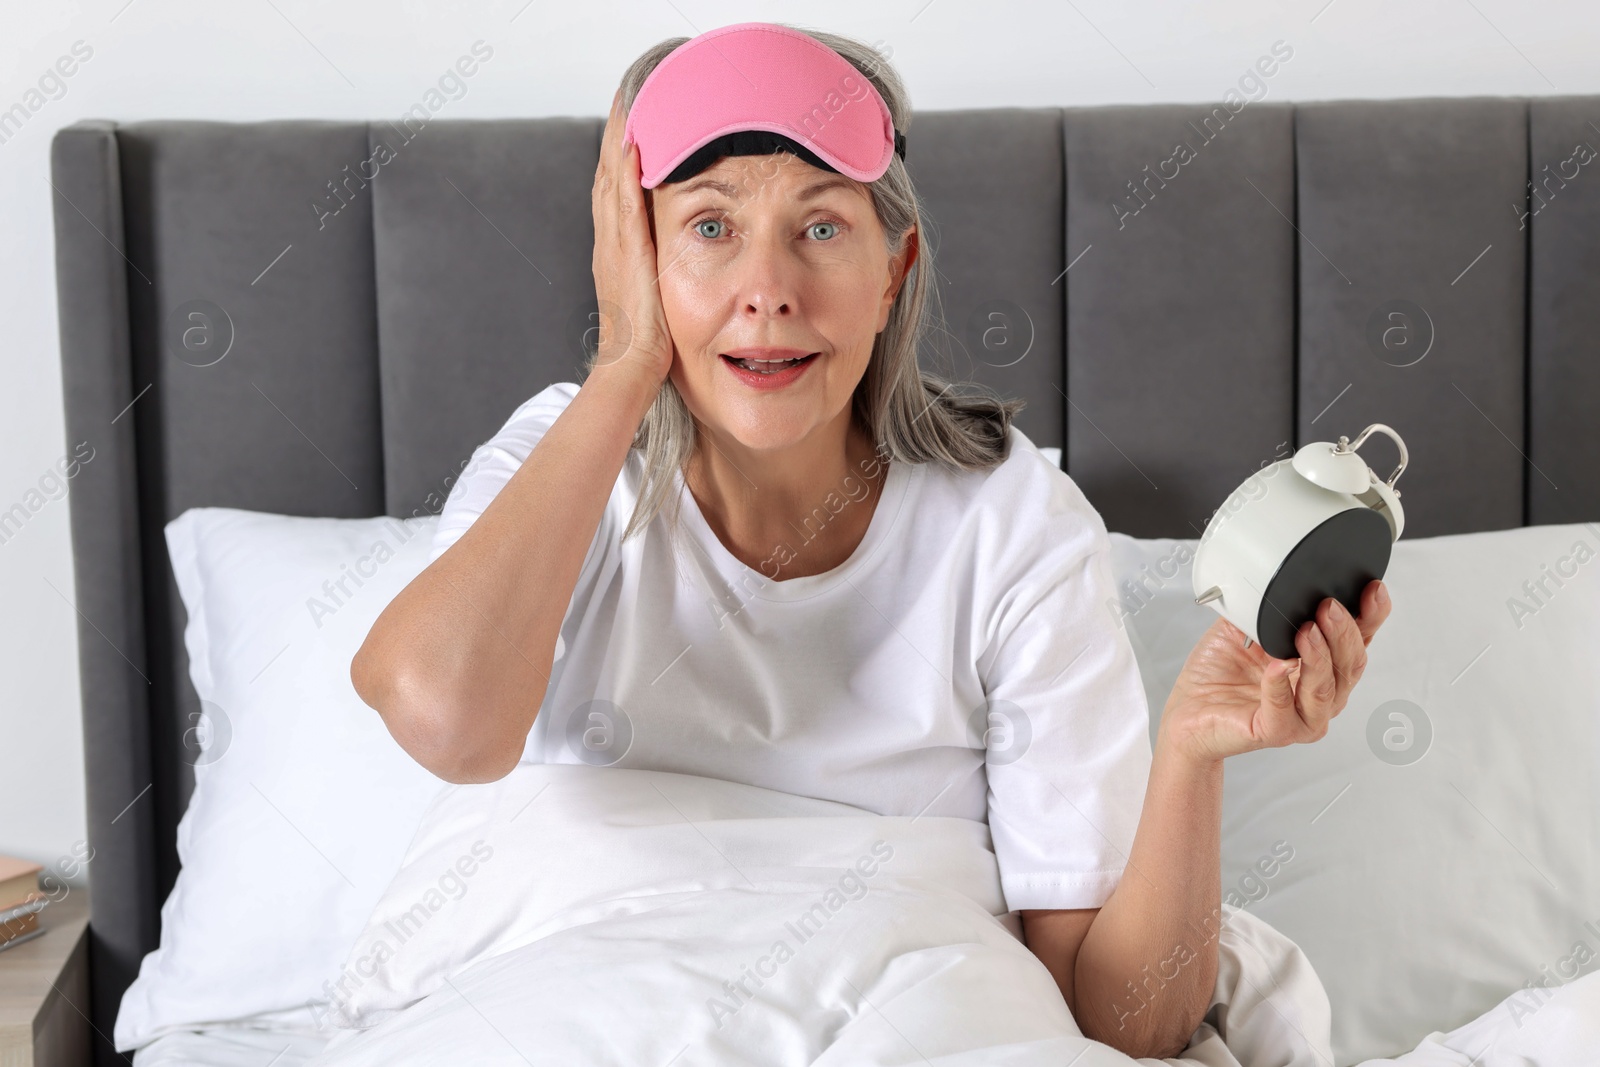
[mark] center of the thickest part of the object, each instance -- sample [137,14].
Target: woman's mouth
[768,373]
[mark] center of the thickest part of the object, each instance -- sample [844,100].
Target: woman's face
[769,251]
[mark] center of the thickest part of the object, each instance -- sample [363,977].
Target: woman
[833,578]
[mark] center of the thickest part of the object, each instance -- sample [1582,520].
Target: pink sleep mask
[757,87]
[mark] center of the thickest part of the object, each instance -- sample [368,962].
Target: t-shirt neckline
[754,583]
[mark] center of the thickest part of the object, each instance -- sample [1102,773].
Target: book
[19,880]
[28,929]
[18,940]
[32,906]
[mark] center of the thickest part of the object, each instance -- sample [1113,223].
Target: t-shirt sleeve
[491,467]
[1068,739]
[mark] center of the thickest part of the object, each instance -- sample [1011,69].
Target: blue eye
[831,227]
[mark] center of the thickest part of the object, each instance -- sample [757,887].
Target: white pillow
[303,804]
[1437,850]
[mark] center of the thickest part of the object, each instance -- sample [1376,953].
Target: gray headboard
[1182,293]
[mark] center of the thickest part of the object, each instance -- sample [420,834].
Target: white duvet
[585,915]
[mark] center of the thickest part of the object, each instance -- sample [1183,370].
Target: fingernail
[1383,595]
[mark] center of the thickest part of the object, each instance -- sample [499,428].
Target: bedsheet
[230,1046]
[635,917]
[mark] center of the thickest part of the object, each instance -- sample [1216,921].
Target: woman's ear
[899,268]
[910,249]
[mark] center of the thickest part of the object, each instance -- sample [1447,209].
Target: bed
[256,317]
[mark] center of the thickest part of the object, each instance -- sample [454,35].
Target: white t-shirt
[964,661]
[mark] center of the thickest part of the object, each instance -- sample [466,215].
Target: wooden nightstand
[44,990]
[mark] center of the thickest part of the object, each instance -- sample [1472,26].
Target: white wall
[261,59]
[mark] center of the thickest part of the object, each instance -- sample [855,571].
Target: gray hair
[912,415]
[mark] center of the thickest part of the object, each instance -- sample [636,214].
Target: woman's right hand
[633,325]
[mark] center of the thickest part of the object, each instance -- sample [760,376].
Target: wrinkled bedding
[638,917]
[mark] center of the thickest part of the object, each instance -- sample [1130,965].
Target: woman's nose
[767,277]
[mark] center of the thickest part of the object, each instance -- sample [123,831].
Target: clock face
[1337,558]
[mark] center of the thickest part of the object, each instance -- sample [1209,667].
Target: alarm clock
[1316,525]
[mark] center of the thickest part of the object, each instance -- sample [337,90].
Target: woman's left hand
[1230,699]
